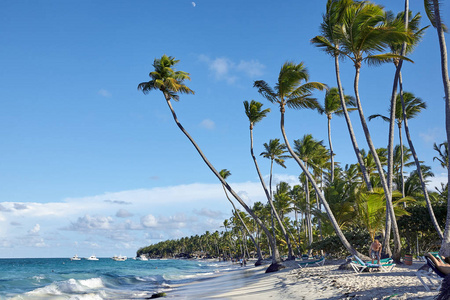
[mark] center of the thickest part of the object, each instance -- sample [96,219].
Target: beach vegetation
[336,210]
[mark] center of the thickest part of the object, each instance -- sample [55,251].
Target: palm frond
[265,90]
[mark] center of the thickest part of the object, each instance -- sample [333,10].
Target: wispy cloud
[227,70]
[193,4]
[208,124]
[433,135]
[104,93]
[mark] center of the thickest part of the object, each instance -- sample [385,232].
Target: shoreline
[319,282]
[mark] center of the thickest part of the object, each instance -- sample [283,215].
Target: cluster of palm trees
[362,32]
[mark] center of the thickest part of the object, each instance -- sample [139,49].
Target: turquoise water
[61,278]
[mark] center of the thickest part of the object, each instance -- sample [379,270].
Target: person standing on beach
[375,250]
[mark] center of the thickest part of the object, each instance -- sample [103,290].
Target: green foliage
[332,245]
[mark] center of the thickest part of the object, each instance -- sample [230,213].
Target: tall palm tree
[225,174]
[413,106]
[290,91]
[433,12]
[363,34]
[330,42]
[275,151]
[306,149]
[332,106]
[171,82]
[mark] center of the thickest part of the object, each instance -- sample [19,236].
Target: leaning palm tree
[276,153]
[290,91]
[225,174]
[332,106]
[171,82]
[330,42]
[433,12]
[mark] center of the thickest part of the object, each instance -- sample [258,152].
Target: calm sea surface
[61,278]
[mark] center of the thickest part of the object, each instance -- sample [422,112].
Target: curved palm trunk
[402,163]
[275,266]
[445,246]
[269,198]
[258,250]
[418,168]
[350,127]
[331,148]
[387,193]
[335,225]
[308,213]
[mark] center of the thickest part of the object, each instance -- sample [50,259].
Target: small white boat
[75,257]
[92,257]
[119,258]
[142,257]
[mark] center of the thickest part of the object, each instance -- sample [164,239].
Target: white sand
[326,282]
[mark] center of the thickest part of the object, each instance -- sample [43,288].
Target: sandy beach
[324,282]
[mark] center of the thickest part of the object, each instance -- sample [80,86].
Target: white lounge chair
[434,276]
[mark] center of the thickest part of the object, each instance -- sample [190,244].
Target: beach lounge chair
[358,265]
[317,262]
[434,277]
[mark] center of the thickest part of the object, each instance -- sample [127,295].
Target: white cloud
[225,69]
[252,68]
[35,230]
[149,221]
[88,223]
[208,124]
[209,213]
[104,93]
[123,213]
[193,4]
[436,181]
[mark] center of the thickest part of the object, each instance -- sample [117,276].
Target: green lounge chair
[359,266]
[318,262]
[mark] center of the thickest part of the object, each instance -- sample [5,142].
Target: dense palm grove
[334,208]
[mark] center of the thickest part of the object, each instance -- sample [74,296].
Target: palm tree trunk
[387,193]
[269,198]
[308,213]
[258,250]
[331,148]
[276,259]
[335,225]
[350,127]
[402,163]
[445,246]
[416,160]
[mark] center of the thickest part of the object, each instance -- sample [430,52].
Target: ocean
[61,278]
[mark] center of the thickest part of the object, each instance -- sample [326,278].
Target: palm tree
[363,34]
[171,82]
[330,42]
[306,149]
[413,106]
[332,106]
[276,152]
[433,12]
[289,91]
[443,154]
[225,174]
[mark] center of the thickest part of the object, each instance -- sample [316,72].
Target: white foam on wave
[71,286]
[38,278]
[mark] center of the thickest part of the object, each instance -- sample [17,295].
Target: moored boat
[92,257]
[75,257]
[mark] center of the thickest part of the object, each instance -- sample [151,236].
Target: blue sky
[90,165]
